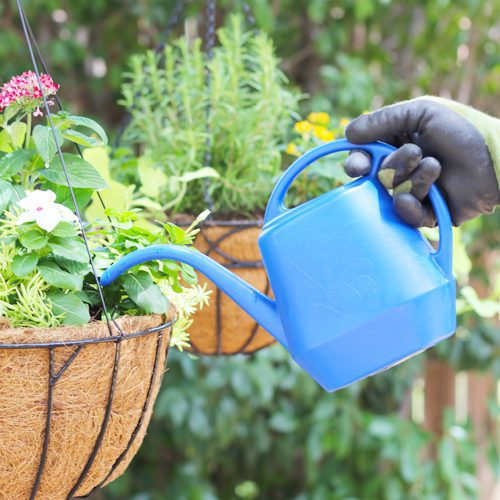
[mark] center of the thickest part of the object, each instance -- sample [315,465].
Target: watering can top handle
[378,151]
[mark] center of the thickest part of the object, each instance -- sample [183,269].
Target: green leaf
[6,193]
[64,230]
[82,121]
[55,276]
[74,310]
[18,193]
[5,142]
[81,268]
[45,142]
[153,180]
[485,308]
[283,422]
[12,163]
[148,296]
[23,265]
[17,132]
[33,240]
[79,138]
[81,173]
[63,196]
[70,248]
[199,174]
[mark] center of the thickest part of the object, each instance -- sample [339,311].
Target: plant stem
[28,130]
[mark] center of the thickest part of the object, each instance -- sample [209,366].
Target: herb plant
[250,108]
[46,279]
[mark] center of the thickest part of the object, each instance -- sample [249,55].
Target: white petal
[65,213]
[48,218]
[37,198]
[28,216]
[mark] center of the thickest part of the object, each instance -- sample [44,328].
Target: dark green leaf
[12,163]
[283,422]
[148,296]
[79,138]
[82,121]
[81,173]
[6,193]
[23,265]
[63,196]
[69,248]
[64,229]
[33,240]
[73,267]
[45,143]
[74,310]
[55,276]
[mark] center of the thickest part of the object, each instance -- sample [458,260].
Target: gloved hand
[438,140]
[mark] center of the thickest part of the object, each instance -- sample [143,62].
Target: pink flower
[25,92]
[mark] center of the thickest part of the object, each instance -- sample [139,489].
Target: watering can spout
[259,306]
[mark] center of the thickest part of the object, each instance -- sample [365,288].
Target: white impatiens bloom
[41,207]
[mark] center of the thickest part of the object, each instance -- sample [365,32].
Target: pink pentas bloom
[24,91]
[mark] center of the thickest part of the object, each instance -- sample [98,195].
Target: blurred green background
[258,427]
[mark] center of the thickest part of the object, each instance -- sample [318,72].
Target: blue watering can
[357,290]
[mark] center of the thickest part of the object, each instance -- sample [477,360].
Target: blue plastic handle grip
[378,151]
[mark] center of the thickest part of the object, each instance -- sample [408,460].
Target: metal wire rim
[101,340]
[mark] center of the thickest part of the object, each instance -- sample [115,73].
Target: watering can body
[356,289]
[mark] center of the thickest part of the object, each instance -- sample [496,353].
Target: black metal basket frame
[53,377]
[234,227]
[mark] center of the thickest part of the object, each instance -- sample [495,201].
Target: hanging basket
[222,327]
[75,403]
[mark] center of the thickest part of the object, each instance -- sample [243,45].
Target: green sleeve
[488,126]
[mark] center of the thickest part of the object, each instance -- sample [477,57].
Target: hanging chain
[249,17]
[26,30]
[210,14]
[174,19]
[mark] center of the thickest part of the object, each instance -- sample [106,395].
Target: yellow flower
[323,134]
[303,127]
[292,149]
[319,118]
[344,122]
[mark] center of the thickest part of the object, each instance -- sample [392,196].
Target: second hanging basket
[222,327]
[75,403]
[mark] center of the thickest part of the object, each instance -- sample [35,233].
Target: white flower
[40,207]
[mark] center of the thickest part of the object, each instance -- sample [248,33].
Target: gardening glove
[438,140]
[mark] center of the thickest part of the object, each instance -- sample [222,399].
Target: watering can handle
[378,151]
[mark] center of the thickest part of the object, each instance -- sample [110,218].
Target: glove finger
[413,211]
[420,181]
[397,167]
[357,164]
[396,124]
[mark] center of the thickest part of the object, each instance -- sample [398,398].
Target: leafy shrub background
[258,427]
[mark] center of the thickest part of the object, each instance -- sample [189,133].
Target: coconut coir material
[237,331]
[80,398]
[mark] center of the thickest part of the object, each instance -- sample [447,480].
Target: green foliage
[259,427]
[250,113]
[47,279]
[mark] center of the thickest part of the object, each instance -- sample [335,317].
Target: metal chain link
[249,17]
[210,14]
[174,19]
